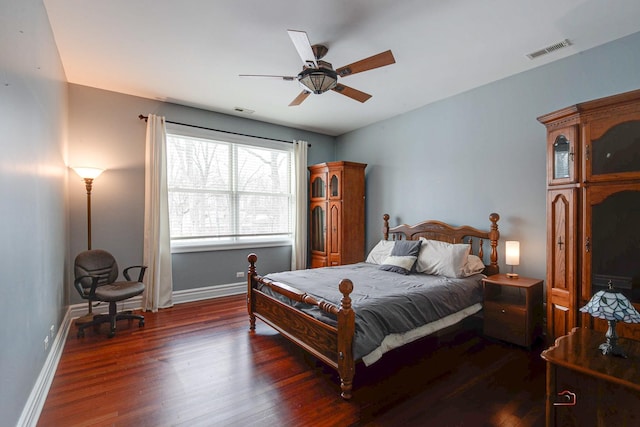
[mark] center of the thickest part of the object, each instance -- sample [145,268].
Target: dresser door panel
[318,187]
[611,250]
[561,262]
[612,146]
[335,226]
[562,155]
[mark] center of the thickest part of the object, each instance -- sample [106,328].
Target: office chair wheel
[111,334]
[141,323]
[81,333]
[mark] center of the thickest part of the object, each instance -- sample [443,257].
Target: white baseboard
[209,292]
[38,396]
[35,403]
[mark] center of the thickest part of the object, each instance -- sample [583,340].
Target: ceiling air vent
[243,110]
[560,45]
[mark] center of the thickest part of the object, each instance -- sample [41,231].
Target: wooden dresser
[586,388]
[336,228]
[593,209]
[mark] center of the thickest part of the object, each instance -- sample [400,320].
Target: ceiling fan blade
[287,78]
[375,61]
[351,92]
[303,46]
[303,95]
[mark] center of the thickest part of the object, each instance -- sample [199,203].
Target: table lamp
[612,306]
[512,256]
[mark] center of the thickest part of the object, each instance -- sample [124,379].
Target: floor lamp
[88,175]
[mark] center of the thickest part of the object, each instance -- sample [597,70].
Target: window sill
[186,247]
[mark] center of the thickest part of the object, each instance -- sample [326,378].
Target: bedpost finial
[494,217]
[345,286]
[385,227]
[252,258]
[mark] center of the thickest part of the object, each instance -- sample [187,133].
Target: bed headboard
[437,230]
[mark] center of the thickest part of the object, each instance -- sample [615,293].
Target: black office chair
[96,272]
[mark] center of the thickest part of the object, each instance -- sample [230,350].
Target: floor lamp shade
[88,172]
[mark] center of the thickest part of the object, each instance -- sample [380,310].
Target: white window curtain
[299,250]
[157,244]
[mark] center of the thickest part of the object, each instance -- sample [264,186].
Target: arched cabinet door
[611,246]
[561,262]
[335,235]
[318,234]
[318,187]
[563,155]
[612,146]
[335,184]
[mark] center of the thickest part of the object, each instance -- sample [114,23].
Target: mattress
[391,309]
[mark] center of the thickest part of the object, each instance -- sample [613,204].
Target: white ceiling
[191,51]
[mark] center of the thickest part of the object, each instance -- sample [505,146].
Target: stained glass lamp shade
[613,307]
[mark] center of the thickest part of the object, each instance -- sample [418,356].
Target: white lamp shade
[512,252]
[87,172]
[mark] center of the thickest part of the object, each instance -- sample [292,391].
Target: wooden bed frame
[334,344]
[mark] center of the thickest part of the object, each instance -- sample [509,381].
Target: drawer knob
[502,311]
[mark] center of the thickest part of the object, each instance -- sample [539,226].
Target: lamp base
[611,347]
[512,275]
[612,350]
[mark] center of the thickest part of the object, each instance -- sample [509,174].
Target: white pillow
[380,252]
[473,266]
[442,258]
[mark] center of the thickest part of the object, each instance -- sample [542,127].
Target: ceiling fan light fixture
[318,80]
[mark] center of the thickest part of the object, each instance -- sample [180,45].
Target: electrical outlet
[46,343]
[52,331]
[240,274]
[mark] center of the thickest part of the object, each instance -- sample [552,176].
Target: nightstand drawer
[504,322]
[512,308]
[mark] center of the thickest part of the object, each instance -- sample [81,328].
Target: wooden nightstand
[513,309]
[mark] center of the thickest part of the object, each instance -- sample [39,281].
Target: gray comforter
[385,303]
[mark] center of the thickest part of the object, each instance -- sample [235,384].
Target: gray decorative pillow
[403,256]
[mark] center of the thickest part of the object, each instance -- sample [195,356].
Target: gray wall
[104,131]
[456,160]
[483,151]
[33,248]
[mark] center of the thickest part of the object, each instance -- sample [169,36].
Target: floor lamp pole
[88,175]
[89,184]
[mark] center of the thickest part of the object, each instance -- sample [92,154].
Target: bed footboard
[332,345]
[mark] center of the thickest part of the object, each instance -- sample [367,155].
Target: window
[227,190]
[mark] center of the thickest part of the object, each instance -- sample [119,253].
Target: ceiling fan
[318,76]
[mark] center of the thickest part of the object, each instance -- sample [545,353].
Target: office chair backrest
[96,262]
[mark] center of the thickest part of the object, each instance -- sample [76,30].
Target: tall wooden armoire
[337,213]
[593,209]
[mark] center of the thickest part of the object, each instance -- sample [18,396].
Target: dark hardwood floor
[197,364]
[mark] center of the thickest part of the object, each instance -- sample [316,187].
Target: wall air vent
[560,45]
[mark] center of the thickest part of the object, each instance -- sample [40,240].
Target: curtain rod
[141,117]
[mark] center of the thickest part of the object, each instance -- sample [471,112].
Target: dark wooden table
[587,388]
